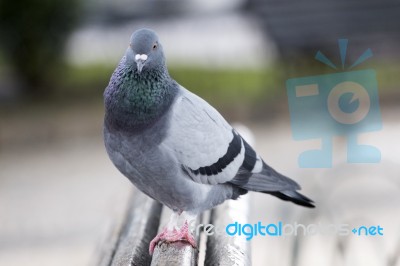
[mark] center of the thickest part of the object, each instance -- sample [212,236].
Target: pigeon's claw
[183,234]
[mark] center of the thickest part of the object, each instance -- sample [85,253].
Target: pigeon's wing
[210,151]
[207,147]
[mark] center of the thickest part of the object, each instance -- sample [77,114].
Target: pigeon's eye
[154,46]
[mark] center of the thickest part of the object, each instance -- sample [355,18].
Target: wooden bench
[128,243]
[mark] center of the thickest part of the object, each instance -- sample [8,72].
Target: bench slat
[223,249]
[136,231]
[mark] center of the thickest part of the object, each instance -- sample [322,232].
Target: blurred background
[59,193]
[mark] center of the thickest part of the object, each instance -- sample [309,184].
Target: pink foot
[183,234]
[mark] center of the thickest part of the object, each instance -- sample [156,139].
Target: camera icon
[339,104]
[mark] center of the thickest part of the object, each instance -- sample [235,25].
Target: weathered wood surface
[225,250]
[129,244]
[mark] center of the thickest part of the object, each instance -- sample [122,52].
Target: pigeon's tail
[285,188]
[293,196]
[271,182]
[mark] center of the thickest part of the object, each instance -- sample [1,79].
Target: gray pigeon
[174,146]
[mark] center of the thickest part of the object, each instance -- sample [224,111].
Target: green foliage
[219,86]
[33,35]
[228,86]
[237,93]
[83,81]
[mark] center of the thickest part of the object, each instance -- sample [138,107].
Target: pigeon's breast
[154,171]
[138,155]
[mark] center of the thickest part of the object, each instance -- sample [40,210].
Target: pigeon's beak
[140,60]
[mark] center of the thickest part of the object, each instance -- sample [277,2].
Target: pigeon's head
[145,51]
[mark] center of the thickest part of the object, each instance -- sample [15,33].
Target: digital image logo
[338,104]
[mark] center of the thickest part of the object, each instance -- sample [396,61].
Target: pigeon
[174,146]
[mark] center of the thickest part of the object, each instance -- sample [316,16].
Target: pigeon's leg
[173,232]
